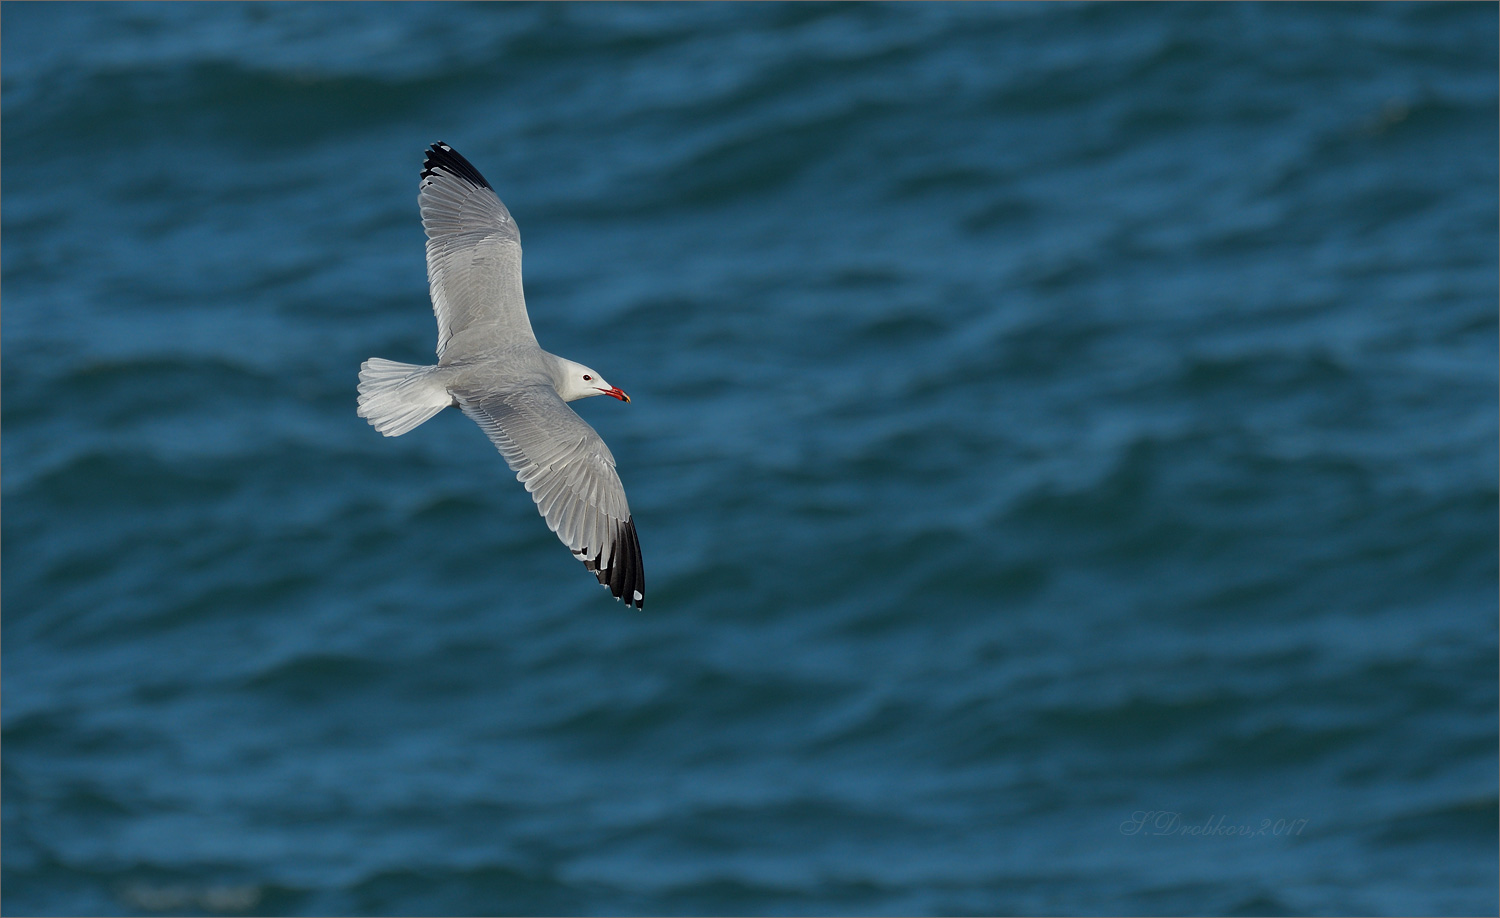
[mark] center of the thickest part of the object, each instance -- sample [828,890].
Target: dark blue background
[1064,447]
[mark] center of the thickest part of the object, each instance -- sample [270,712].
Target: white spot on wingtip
[639,596]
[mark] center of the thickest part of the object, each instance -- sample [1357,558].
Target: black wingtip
[442,156]
[625,574]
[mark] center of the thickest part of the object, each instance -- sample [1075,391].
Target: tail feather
[395,397]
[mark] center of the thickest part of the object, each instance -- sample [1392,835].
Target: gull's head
[579,381]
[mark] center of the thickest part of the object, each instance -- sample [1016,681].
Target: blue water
[1064,449]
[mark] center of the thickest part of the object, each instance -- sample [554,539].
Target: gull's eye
[587,378]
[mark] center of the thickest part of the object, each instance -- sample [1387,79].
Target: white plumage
[490,365]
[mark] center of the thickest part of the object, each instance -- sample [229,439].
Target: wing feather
[473,257]
[570,473]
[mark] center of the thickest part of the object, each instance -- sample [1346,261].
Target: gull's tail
[395,397]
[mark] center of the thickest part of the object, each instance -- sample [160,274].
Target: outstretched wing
[571,475]
[473,257]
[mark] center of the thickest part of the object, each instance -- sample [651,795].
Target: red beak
[616,393]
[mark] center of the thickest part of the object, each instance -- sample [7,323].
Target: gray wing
[571,475]
[473,257]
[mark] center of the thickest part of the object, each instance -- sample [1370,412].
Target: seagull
[491,368]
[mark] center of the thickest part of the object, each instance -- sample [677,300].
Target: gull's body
[490,366]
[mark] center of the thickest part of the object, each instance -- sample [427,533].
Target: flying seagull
[491,367]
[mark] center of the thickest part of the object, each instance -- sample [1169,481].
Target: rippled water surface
[1064,447]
